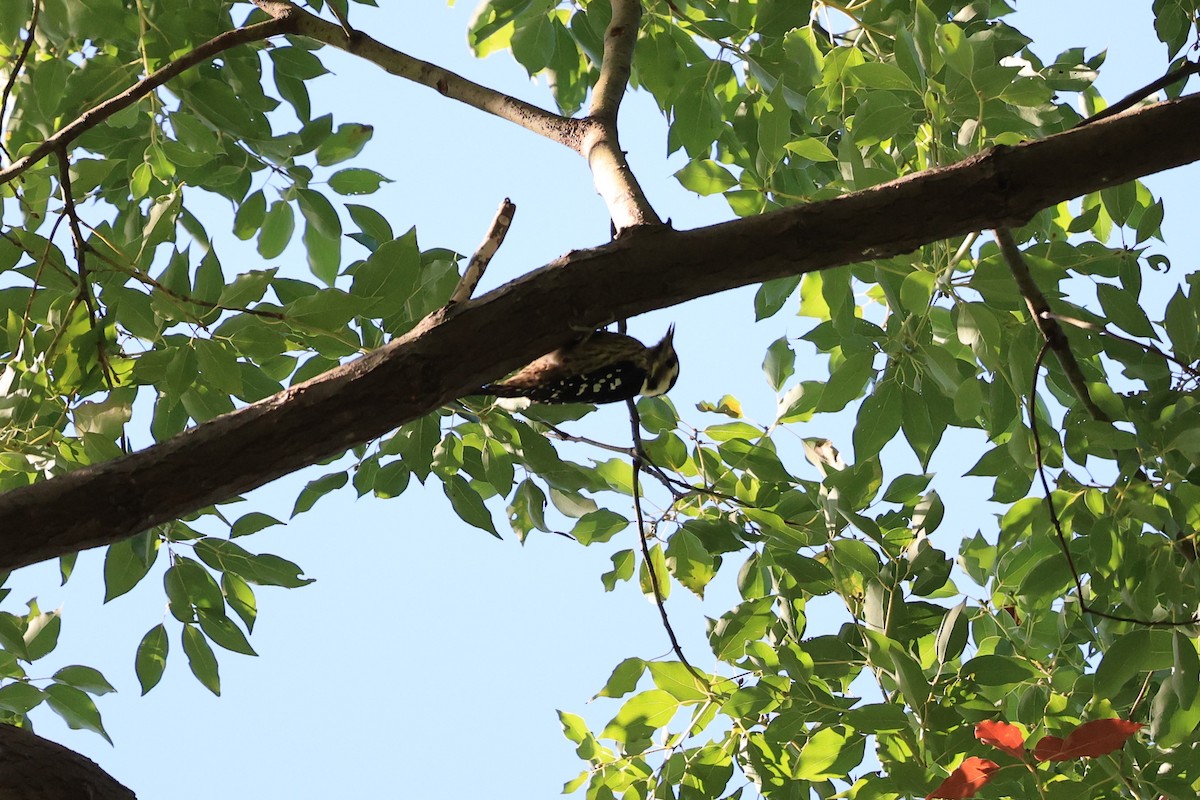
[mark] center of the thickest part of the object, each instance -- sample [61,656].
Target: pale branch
[94,116]
[600,144]
[619,41]
[593,138]
[1043,317]
[627,204]
[483,256]
[508,327]
[545,123]
[1185,70]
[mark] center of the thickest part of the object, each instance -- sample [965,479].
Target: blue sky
[428,659]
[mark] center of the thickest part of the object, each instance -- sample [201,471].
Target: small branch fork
[1056,341]
[594,137]
[81,248]
[1187,69]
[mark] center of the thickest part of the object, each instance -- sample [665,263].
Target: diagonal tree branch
[538,120]
[14,69]
[510,326]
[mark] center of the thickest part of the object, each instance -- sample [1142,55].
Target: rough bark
[506,328]
[33,768]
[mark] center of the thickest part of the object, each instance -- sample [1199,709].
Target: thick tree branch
[510,326]
[544,123]
[33,768]
[613,178]
[619,41]
[94,116]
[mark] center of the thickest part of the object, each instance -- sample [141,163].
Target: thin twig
[15,71]
[1133,98]
[1057,523]
[562,435]
[483,255]
[64,181]
[1043,317]
[153,283]
[1149,348]
[94,116]
[635,422]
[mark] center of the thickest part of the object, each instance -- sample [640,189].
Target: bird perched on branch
[602,367]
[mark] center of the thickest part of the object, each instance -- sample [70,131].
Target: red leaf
[971,776]
[1049,749]
[1002,736]
[1096,738]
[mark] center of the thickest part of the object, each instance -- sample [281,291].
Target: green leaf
[314,490]
[345,143]
[277,228]
[689,562]
[1140,650]
[995,670]
[705,176]
[240,598]
[222,630]
[624,678]
[780,362]
[356,181]
[127,562]
[623,564]
[640,716]
[878,421]
[468,504]
[812,149]
[201,659]
[598,526]
[188,586]
[253,522]
[819,754]
[676,679]
[250,215]
[20,697]
[76,708]
[85,679]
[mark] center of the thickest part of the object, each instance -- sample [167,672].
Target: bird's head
[662,368]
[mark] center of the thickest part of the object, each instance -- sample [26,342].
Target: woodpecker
[602,367]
